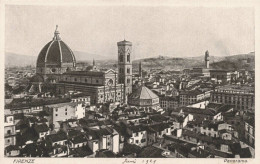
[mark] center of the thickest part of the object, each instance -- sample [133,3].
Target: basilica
[56,68]
[56,65]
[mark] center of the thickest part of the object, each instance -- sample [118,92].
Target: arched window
[121,58]
[128,57]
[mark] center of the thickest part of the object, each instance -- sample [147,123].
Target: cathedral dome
[55,53]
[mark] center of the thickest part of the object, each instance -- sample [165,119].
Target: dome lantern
[56,34]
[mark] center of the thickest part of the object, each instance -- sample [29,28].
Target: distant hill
[84,56]
[243,61]
[13,59]
[166,63]
[226,62]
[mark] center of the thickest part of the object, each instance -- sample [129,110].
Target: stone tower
[125,66]
[207,59]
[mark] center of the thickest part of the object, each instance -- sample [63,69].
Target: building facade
[250,132]
[9,130]
[221,75]
[192,97]
[169,103]
[242,97]
[100,86]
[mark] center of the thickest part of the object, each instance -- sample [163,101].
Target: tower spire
[94,63]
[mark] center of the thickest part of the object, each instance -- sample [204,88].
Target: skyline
[153,31]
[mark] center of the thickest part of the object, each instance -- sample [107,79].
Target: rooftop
[151,152]
[60,136]
[41,128]
[137,128]
[236,88]
[85,73]
[143,93]
[81,151]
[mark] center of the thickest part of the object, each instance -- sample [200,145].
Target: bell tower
[125,66]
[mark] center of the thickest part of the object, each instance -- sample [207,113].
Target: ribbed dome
[55,52]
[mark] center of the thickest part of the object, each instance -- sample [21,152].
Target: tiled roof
[41,128]
[251,121]
[219,153]
[11,148]
[191,93]
[73,133]
[60,136]
[35,103]
[137,128]
[200,153]
[143,93]
[106,153]
[245,153]
[85,73]
[130,149]
[191,110]
[151,152]
[159,127]
[158,118]
[216,141]
[78,139]
[81,151]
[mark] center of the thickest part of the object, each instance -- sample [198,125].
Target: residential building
[9,130]
[250,131]
[193,96]
[138,135]
[242,97]
[222,76]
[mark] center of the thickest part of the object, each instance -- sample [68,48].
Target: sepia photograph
[126,81]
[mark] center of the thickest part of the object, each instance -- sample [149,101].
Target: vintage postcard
[129,83]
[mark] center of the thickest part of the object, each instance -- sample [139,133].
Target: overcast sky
[167,31]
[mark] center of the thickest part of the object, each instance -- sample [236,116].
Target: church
[56,64]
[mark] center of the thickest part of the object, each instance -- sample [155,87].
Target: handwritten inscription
[134,161]
[149,161]
[24,161]
[128,161]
